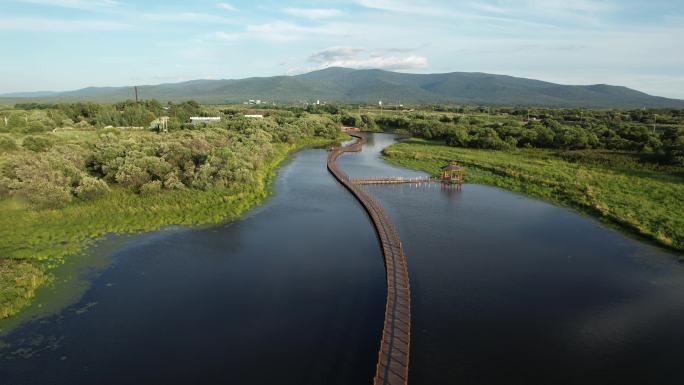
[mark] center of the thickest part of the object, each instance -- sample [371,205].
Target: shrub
[351,119]
[132,176]
[36,143]
[5,187]
[44,180]
[83,125]
[45,195]
[7,143]
[487,138]
[151,188]
[203,178]
[91,188]
[36,126]
[173,182]
[457,137]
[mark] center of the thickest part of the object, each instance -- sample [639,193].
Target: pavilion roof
[452,167]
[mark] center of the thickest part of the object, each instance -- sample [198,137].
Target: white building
[204,119]
[256,116]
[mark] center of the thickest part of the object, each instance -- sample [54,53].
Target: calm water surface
[292,294]
[506,290]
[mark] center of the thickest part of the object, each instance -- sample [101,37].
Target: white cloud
[532,13]
[285,31]
[45,24]
[278,32]
[335,53]
[412,62]
[489,8]
[78,4]
[360,58]
[226,7]
[398,6]
[501,6]
[226,36]
[187,17]
[560,6]
[313,13]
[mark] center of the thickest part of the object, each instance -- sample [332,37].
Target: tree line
[49,172]
[556,129]
[40,117]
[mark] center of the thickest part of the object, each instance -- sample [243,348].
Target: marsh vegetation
[62,189]
[615,165]
[73,172]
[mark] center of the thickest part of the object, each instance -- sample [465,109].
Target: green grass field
[35,241]
[644,200]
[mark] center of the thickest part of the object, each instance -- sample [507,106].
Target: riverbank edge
[495,180]
[21,278]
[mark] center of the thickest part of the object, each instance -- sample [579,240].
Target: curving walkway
[393,357]
[395,180]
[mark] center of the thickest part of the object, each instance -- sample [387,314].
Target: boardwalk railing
[394,180]
[393,357]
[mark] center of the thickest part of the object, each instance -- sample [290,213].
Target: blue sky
[69,44]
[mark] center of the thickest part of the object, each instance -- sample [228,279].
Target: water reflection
[292,294]
[510,290]
[506,290]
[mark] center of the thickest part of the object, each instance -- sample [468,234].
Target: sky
[69,44]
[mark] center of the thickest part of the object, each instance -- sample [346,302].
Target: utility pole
[655,120]
[136,93]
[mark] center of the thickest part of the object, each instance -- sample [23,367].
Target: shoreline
[176,208]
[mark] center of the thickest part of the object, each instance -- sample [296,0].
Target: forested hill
[345,85]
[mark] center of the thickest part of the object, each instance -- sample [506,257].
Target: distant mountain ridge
[344,85]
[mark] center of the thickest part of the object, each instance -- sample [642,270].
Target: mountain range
[344,85]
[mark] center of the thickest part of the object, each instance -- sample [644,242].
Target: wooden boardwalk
[395,180]
[393,357]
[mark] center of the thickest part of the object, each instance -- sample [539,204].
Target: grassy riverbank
[643,199]
[35,241]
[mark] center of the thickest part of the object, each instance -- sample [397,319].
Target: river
[506,290]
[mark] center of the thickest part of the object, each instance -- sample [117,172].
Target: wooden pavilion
[453,173]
